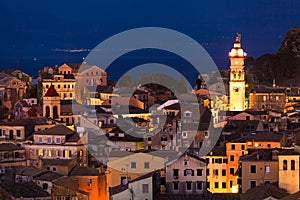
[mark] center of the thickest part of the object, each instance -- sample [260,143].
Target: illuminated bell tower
[237,76]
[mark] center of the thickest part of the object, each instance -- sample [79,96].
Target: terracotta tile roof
[51,92]
[56,130]
[9,147]
[56,162]
[48,176]
[84,171]
[264,191]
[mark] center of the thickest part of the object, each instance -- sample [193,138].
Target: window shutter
[192,172]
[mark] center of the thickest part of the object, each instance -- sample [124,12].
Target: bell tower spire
[237,76]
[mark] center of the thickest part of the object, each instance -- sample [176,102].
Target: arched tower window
[293,165]
[284,164]
[47,111]
[55,113]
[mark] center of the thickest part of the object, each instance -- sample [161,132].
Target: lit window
[267,169]
[49,153]
[90,182]
[40,152]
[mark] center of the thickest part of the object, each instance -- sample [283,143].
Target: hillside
[283,66]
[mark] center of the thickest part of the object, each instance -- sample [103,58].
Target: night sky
[42,33]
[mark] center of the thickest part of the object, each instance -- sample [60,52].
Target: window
[267,169]
[293,165]
[216,172]
[207,184]
[199,185]
[232,147]
[188,172]
[253,169]
[285,165]
[225,160]
[65,86]
[223,185]
[45,186]
[243,147]
[146,165]
[58,141]
[175,186]
[232,158]
[49,140]
[247,117]
[47,86]
[18,133]
[71,94]
[188,185]
[145,188]
[175,172]
[216,184]
[40,139]
[54,169]
[223,172]
[133,165]
[90,182]
[230,184]
[199,172]
[207,172]
[267,181]
[252,183]
[40,152]
[49,153]
[58,86]
[185,163]
[231,171]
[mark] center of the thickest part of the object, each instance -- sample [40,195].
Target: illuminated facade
[237,77]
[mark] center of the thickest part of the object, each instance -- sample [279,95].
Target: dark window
[175,185]
[253,169]
[225,160]
[175,172]
[207,172]
[199,185]
[216,172]
[224,185]
[199,172]
[293,165]
[243,147]
[285,165]
[231,171]
[133,165]
[223,172]
[216,184]
[45,186]
[188,185]
[252,184]
[18,133]
[232,158]
[232,147]
[269,145]
[230,184]
[208,185]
